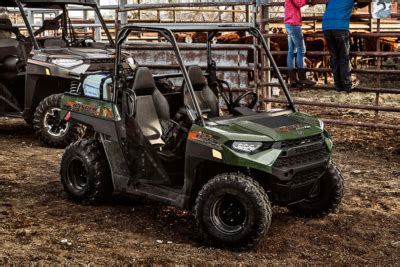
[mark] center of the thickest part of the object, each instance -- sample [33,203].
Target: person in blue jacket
[335,25]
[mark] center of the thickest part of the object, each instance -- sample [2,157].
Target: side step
[166,194]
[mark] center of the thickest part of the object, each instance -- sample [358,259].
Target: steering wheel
[227,98]
[251,105]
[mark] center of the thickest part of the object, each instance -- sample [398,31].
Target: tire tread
[250,185]
[75,130]
[100,182]
[334,201]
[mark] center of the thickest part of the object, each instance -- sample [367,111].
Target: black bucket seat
[52,42]
[11,52]
[151,107]
[208,101]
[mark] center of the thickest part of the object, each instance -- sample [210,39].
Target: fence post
[97,32]
[266,73]
[123,15]
[378,67]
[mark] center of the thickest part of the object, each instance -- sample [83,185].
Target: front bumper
[297,169]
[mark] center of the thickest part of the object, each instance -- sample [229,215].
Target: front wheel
[325,197]
[84,171]
[233,211]
[50,128]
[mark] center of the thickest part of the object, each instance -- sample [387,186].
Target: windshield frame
[62,5]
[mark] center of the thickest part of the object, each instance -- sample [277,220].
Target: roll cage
[53,4]
[168,33]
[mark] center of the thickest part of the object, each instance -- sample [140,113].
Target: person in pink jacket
[296,43]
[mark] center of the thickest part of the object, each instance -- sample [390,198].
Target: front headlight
[247,147]
[67,62]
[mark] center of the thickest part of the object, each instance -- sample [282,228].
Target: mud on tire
[233,211]
[327,198]
[48,127]
[84,171]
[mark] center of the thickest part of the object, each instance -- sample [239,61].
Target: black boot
[293,81]
[303,78]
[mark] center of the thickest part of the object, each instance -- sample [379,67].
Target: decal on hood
[296,127]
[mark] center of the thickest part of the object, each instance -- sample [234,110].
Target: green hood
[264,127]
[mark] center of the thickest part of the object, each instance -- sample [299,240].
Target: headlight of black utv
[248,147]
[67,62]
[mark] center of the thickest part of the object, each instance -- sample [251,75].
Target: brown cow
[199,37]
[181,37]
[247,40]
[228,38]
[316,44]
[387,44]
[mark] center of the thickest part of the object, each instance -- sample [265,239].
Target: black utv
[40,62]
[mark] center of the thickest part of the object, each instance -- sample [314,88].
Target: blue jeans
[295,44]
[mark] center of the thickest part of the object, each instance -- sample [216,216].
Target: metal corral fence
[371,41]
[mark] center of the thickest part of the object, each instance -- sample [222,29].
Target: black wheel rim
[53,124]
[77,174]
[228,214]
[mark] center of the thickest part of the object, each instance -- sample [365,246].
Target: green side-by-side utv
[40,62]
[180,149]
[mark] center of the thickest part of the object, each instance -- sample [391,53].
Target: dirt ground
[39,224]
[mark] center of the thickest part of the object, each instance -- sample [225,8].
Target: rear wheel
[84,171]
[325,197]
[233,211]
[49,126]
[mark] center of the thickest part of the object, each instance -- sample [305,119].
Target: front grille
[105,64]
[306,176]
[301,141]
[301,159]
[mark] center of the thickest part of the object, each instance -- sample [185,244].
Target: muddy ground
[38,223]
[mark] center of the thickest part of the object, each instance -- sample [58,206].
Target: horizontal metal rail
[352,53]
[362,124]
[133,7]
[355,17]
[220,68]
[360,71]
[321,2]
[185,46]
[159,7]
[335,105]
[357,89]
[352,34]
